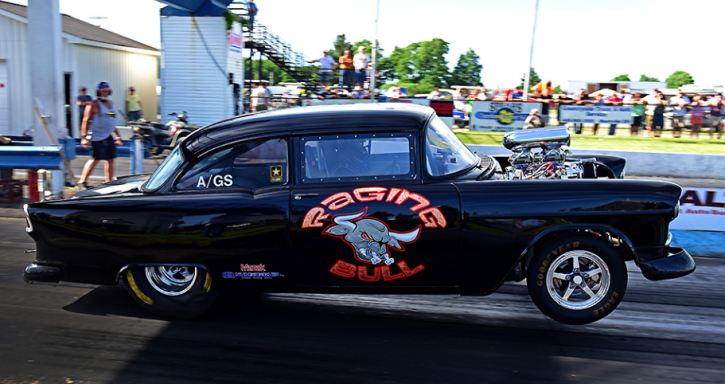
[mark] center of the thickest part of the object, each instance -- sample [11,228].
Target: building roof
[81,29]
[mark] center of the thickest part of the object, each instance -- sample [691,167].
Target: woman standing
[698,116]
[637,113]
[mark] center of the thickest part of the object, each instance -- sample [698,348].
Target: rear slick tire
[577,279]
[177,292]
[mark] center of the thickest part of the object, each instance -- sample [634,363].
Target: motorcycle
[159,137]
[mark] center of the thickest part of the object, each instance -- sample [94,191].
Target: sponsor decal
[371,239]
[275,174]
[215,181]
[252,272]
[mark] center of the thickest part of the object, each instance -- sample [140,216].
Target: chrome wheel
[578,280]
[171,280]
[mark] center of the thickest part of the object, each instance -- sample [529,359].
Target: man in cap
[103,113]
[533,120]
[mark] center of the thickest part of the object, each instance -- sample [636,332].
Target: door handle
[299,196]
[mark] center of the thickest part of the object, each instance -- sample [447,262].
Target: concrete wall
[661,164]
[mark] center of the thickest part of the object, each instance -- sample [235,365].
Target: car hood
[115,187]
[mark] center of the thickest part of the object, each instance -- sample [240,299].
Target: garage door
[4,99]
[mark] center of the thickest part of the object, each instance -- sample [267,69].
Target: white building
[634,86]
[90,55]
[201,62]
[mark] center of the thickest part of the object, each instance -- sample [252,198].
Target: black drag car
[363,199]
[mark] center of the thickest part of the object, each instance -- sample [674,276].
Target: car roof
[330,117]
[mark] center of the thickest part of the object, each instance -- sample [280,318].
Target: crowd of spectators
[653,110]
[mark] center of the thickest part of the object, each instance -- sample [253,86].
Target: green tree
[533,78]
[647,78]
[678,79]
[339,46]
[624,77]
[419,63]
[468,70]
[557,89]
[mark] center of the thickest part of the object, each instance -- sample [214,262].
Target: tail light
[28,224]
[174,128]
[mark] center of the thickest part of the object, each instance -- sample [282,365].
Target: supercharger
[540,154]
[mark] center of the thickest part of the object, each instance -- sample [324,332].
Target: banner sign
[595,114]
[701,209]
[500,116]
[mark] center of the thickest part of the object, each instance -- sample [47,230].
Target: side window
[357,157]
[251,165]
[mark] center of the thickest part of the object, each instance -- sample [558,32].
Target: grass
[622,141]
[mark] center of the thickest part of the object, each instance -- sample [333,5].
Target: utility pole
[527,76]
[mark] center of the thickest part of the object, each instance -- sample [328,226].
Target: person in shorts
[103,114]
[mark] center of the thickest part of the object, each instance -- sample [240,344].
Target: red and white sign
[701,209]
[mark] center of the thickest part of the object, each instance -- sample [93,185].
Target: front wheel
[180,292]
[577,279]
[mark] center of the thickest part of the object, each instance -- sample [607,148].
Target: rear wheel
[577,279]
[180,292]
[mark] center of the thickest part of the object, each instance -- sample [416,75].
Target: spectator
[638,106]
[101,114]
[581,97]
[327,63]
[626,96]
[252,13]
[716,115]
[545,98]
[346,70]
[613,100]
[436,94]
[678,114]
[533,120]
[82,102]
[360,62]
[260,98]
[598,100]
[698,116]
[134,108]
[324,93]
[482,96]
[657,122]
[393,92]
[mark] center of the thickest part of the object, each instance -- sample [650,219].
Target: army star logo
[275,174]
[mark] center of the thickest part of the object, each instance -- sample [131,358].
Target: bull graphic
[370,238]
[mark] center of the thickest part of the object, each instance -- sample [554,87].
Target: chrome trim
[669,239]
[537,136]
[28,224]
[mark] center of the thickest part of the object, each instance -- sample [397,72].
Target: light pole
[527,76]
[375,54]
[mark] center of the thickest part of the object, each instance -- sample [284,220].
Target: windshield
[445,153]
[165,170]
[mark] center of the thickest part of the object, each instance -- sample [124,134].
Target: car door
[231,210]
[361,217]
